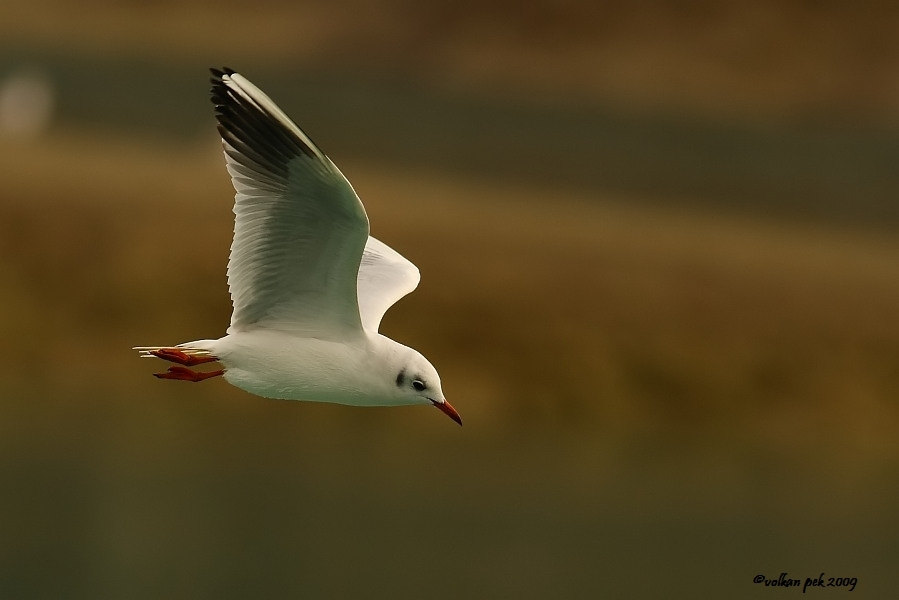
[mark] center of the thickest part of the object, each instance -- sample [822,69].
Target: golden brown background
[660,282]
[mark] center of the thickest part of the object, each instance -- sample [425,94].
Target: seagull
[309,285]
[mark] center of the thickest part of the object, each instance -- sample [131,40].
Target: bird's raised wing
[384,277]
[299,228]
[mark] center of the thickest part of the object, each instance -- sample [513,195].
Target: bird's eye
[418,384]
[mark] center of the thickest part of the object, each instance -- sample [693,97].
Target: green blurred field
[673,340]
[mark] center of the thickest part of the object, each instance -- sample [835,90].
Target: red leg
[185,374]
[182,358]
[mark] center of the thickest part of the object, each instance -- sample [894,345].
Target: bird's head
[417,382]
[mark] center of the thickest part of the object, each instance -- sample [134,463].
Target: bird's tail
[188,349]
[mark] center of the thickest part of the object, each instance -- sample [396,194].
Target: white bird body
[308,284]
[274,364]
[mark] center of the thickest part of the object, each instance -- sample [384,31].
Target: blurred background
[660,282]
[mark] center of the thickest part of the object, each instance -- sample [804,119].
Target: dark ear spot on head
[401,378]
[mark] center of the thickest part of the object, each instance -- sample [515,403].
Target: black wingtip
[219,90]
[218,75]
[245,125]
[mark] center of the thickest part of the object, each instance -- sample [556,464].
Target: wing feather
[299,229]
[385,276]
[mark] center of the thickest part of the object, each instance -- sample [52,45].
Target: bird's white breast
[280,365]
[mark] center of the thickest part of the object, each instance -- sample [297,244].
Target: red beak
[448,410]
